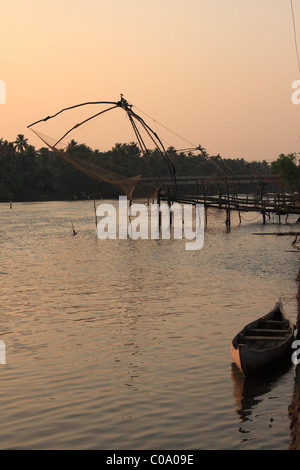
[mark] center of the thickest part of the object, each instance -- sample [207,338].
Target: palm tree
[21,144]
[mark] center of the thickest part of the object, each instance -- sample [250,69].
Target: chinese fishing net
[133,186]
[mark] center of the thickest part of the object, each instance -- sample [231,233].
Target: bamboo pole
[228,221]
[95,211]
[159,212]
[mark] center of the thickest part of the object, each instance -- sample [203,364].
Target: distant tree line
[28,174]
[287,166]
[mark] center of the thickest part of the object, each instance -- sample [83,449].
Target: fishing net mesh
[133,186]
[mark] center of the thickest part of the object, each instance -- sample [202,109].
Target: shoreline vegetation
[35,175]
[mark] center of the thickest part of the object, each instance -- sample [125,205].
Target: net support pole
[159,211]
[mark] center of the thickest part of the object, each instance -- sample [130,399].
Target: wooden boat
[263,341]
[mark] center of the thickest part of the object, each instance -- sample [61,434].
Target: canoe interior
[262,340]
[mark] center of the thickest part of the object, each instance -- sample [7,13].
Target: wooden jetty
[275,204]
[226,196]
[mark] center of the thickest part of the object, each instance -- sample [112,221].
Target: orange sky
[218,73]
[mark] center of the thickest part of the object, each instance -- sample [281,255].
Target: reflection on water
[126,344]
[249,392]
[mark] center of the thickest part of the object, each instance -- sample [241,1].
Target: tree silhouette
[30,174]
[20,144]
[286,167]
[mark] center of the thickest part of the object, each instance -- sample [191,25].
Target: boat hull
[251,362]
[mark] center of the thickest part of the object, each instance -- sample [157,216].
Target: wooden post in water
[220,198]
[279,218]
[170,212]
[159,213]
[95,211]
[237,204]
[204,198]
[263,212]
[203,189]
[228,221]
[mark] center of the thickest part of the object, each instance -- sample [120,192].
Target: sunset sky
[218,73]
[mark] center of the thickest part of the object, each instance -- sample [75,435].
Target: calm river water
[123,344]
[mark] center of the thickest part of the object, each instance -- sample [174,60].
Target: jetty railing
[280,204]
